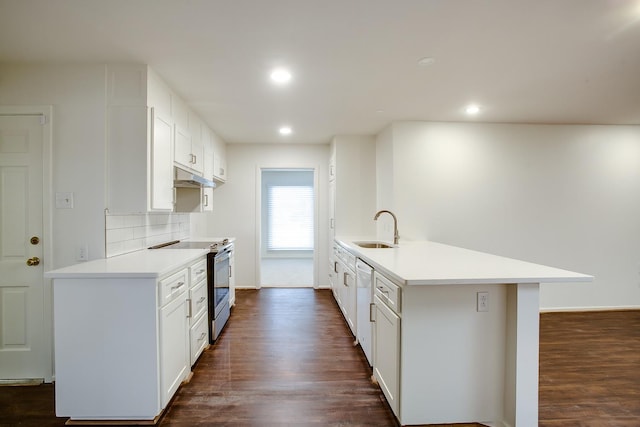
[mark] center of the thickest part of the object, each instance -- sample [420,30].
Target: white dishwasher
[364,300]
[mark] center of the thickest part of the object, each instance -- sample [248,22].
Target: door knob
[33,261]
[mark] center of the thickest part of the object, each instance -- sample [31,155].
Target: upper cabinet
[189,146]
[139,141]
[149,131]
[219,158]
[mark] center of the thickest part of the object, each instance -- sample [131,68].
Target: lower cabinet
[386,352]
[174,346]
[123,345]
[343,284]
[199,338]
[198,304]
[428,360]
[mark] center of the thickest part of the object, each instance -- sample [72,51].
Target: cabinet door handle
[206,200]
[188,301]
[335,266]
[202,335]
[201,300]
[371,307]
[229,271]
[344,279]
[178,286]
[381,289]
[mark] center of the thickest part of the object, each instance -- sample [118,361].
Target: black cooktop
[189,245]
[176,244]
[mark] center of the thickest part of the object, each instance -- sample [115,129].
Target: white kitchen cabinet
[207,142]
[198,305]
[334,277]
[189,151]
[219,158]
[122,341]
[386,352]
[183,156]
[197,301]
[139,141]
[345,286]
[333,273]
[161,171]
[149,130]
[427,359]
[219,167]
[199,338]
[207,193]
[174,346]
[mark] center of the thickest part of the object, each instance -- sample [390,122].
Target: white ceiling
[354,61]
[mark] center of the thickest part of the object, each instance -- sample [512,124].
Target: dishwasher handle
[362,266]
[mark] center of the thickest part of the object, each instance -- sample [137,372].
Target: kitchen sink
[376,245]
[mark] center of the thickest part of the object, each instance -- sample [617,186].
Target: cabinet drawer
[199,337]
[387,291]
[198,300]
[197,272]
[172,286]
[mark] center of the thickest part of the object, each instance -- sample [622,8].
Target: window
[290,217]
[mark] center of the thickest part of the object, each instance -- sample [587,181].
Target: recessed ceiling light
[426,61]
[472,109]
[285,130]
[280,75]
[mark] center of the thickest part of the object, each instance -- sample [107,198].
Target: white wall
[565,196]
[77,94]
[234,203]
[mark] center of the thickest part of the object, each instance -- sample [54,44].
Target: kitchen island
[456,332]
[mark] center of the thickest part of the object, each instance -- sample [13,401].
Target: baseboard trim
[583,309]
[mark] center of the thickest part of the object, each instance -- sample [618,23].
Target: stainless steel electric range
[218,273]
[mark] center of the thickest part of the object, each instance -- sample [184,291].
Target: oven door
[220,309]
[221,280]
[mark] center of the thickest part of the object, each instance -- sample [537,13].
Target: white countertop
[146,263]
[431,263]
[149,263]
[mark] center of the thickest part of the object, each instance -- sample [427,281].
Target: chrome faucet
[396,236]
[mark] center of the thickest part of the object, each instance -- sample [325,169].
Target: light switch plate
[64,200]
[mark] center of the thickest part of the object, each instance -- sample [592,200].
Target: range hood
[183,178]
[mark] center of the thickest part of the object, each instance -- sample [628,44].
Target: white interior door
[23,348]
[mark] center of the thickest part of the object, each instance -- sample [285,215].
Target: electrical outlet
[483,301]
[83,253]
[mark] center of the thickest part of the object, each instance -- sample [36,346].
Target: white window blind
[290,218]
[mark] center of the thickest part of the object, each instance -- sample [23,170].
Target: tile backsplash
[130,233]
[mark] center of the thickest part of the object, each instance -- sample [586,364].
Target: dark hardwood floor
[286,359]
[590,369]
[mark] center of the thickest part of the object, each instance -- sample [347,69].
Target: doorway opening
[288,228]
